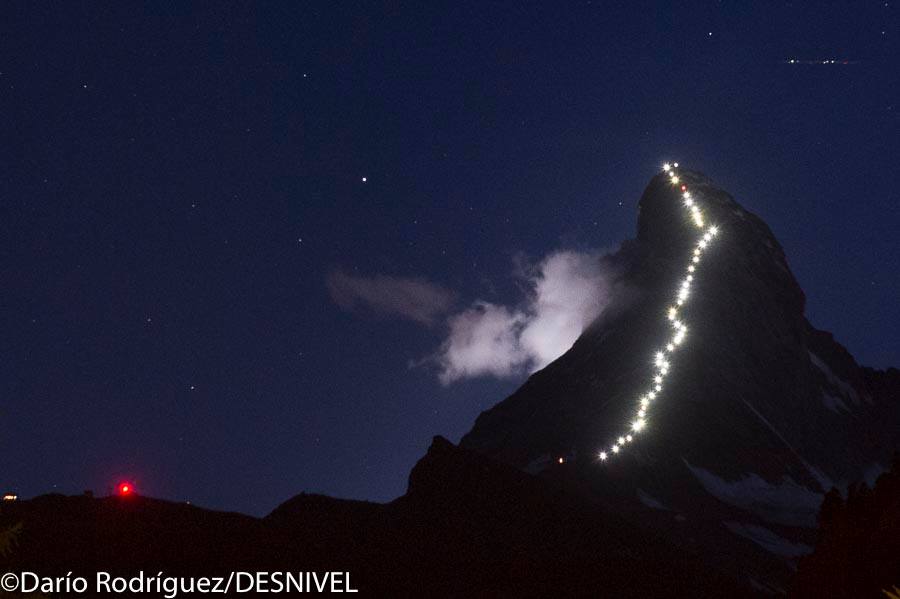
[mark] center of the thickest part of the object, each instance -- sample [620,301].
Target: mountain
[718,496]
[760,416]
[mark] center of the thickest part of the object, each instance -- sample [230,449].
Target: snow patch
[538,464]
[872,473]
[651,501]
[817,474]
[833,403]
[787,503]
[768,540]
[843,386]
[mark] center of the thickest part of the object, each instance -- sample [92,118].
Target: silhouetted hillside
[467,526]
[858,554]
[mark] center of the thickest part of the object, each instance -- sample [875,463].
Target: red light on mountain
[126,489]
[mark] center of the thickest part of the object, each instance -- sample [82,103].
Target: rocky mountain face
[761,413]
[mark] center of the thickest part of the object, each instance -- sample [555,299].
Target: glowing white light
[662,365]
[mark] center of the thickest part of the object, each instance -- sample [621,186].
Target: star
[364,179]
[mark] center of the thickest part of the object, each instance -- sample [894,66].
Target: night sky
[231,241]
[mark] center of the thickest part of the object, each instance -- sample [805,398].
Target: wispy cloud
[411,298]
[562,294]
[566,291]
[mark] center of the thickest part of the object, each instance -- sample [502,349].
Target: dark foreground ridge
[720,497]
[468,526]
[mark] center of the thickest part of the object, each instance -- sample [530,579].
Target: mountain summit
[761,415]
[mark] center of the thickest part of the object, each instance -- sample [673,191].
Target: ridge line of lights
[661,358]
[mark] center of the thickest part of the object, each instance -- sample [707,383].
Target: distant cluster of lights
[826,61]
[679,328]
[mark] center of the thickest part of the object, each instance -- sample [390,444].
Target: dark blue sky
[178,184]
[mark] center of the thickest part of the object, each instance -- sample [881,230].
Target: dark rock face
[761,414]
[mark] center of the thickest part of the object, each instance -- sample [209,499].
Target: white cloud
[483,340]
[567,291]
[570,291]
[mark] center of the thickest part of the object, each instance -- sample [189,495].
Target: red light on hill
[126,489]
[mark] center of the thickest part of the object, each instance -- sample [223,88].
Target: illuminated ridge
[661,357]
